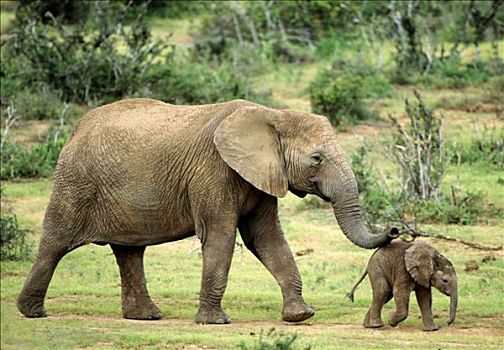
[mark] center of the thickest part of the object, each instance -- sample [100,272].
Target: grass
[83,300]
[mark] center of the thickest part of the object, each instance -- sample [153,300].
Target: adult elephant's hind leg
[136,302]
[31,299]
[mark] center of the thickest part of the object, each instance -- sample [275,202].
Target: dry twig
[414,232]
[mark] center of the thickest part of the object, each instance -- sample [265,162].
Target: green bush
[373,197]
[461,208]
[199,83]
[486,147]
[38,160]
[382,206]
[339,92]
[14,243]
[338,98]
[286,31]
[100,59]
[450,74]
[418,196]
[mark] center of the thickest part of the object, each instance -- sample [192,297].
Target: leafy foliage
[286,29]
[14,243]
[419,152]
[451,73]
[198,83]
[98,60]
[38,160]
[339,93]
[487,146]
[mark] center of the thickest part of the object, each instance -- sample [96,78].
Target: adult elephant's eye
[316,159]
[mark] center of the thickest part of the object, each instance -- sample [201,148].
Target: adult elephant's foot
[148,311]
[31,307]
[296,311]
[430,328]
[211,316]
[372,322]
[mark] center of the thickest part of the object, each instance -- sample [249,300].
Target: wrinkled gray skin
[140,172]
[400,268]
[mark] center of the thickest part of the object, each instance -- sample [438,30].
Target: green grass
[84,308]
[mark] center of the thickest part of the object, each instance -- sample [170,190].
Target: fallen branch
[414,233]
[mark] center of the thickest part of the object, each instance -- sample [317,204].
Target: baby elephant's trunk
[453,307]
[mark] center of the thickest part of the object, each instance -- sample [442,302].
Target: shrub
[14,243]
[418,149]
[450,74]
[38,160]
[338,98]
[339,92]
[385,207]
[288,30]
[98,59]
[374,198]
[461,208]
[199,83]
[487,146]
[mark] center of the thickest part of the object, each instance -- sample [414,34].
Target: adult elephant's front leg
[263,236]
[136,302]
[217,246]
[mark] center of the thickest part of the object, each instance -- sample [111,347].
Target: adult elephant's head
[277,151]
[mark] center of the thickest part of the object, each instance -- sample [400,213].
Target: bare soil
[241,326]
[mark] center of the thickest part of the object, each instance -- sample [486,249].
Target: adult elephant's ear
[249,142]
[419,263]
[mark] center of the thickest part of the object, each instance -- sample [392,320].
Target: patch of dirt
[244,326]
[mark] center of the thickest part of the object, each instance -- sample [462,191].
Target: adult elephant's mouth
[300,194]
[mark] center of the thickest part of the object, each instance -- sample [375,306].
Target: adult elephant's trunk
[453,307]
[345,202]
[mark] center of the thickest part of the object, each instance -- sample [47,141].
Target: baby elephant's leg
[382,293]
[401,298]
[424,298]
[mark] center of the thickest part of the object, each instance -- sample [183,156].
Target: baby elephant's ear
[419,263]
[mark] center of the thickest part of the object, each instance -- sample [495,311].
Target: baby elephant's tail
[350,295]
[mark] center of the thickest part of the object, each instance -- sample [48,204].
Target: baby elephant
[401,267]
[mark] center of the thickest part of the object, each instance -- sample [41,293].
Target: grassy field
[84,303]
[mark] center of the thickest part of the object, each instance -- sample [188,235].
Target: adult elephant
[140,172]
